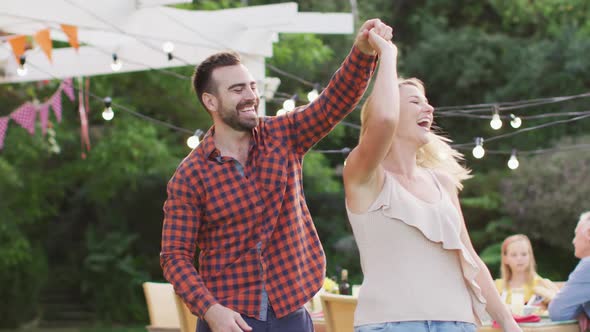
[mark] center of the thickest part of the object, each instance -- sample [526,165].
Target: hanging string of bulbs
[290,103]
[478,150]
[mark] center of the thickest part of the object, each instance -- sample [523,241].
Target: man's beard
[231,117]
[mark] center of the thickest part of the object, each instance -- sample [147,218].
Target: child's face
[517,256]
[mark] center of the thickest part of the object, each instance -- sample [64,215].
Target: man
[573,299]
[238,197]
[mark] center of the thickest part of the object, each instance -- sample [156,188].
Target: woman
[421,272]
[519,273]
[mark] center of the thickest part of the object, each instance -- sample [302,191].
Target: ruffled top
[442,271]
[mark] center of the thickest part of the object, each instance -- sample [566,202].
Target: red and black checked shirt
[251,224]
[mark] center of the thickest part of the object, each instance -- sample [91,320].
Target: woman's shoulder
[446,180]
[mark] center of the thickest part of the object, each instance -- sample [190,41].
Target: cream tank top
[414,263]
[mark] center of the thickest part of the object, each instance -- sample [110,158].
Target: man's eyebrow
[240,85]
[237,85]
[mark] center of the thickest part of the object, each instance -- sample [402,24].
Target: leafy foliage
[467,52]
[545,202]
[111,273]
[23,275]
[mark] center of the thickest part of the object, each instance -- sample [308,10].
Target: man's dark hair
[202,77]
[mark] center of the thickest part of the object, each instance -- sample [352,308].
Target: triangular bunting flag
[56,104]
[44,117]
[72,33]
[3,125]
[68,88]
[25,117]
[43,39]
[18,44]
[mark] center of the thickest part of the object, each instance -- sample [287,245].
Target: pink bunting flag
[55,102]
[25,117]
[3,126]
[44,117]
[68,88]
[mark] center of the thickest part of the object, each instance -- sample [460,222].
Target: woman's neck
[401,159]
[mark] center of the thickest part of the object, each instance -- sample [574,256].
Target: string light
[519,104]
[516,122]
[513,162]
[108,113]
[496,122]
[22,69]
[289,104]
[116,64]
[478,150]
[193,141]
[168,47]
[313,94]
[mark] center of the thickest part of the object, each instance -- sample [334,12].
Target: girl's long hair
[505,269]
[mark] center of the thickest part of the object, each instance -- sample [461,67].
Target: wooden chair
[161,307]
[338,312]
[188,321]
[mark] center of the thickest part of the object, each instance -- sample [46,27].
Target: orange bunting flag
[43,39]
[72,33]
[18,44]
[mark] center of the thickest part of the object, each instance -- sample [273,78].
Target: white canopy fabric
[136,29]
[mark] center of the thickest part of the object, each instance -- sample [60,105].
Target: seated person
[519,273]
[572,301]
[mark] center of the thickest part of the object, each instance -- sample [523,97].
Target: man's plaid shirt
[251,223]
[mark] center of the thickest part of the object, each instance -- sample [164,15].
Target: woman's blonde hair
[505,270]
[437,154]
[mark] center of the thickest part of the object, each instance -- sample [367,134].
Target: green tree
[545,202]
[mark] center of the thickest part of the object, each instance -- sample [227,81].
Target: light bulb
[21,70]
[312,95]
[281,112]
[116,65]
[515,122]
[168,47]
[289,105]
[513,162]
[108,114]
[496,122]
[478,152]
[193,141]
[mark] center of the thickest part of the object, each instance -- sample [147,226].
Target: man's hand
[362,38]
[381,45]
[223,319]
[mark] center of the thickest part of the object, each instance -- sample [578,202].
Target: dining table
[545,325]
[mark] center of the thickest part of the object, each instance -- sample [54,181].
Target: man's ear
[210,101]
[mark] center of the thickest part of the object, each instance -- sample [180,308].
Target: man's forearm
[181,273]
